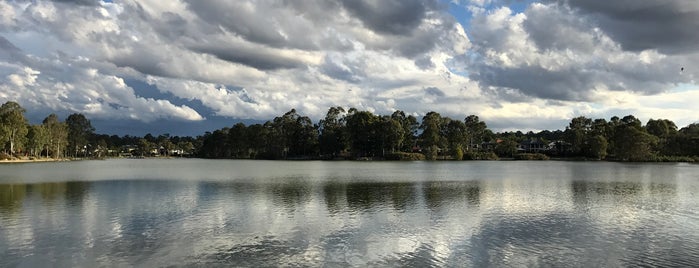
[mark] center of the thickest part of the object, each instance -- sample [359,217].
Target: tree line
[356,134]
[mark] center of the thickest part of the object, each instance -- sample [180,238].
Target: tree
[632,142]
[390,134]
[38,139]
[456,138]
[102,148]
[576,133]
[362,129]
[144,146]
[13,125]
[57,133]
[475,130]
[238,140]
[597,147]
[79,131]
[410,127]
[333,132]
[661,128]
[431,126]
[506,147]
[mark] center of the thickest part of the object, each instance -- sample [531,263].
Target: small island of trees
[354,134]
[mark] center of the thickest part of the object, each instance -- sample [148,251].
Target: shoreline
[38,160]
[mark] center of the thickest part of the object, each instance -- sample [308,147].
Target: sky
[184,67]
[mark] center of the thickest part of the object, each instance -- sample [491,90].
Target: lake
[192,212]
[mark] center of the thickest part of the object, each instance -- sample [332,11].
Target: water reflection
[554,214]
[445,193]
[11,196]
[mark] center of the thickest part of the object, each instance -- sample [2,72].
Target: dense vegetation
[355,134]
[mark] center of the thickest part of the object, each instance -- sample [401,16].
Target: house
[533,146]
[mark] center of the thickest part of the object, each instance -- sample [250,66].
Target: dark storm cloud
[261,60]
[9,51]
[538,82]
[561,35]
[551,52]
[434,92]
[79,2]
[263,24]
[351,72]
[667,25]
[397,17]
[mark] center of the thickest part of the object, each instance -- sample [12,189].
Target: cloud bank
[532,65]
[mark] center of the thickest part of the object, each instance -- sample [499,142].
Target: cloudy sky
[187,66]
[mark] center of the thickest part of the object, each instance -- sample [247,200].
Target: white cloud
[259,59]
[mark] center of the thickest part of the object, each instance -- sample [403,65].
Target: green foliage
[576,133]
[355,133]
[57,133]
[596,147]
[665,158]
[475,130]
[79,131]
[333,132]
[632,143]
[472,155]
[402,156]
[431,152]
[506,148]
[13,126]
[362,127]
[530,156]
[458,154]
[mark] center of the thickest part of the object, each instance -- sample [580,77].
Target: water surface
[153,213]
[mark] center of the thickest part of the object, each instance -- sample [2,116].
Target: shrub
[5,156]
[480,156]
[458,154]
[401,156]
[664,158]
[528,156]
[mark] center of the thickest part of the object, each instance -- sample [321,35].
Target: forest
[358,135]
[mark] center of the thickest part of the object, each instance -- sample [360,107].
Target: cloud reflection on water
[597,217]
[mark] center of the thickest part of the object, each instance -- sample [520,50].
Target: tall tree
[57,133]
[410,127]
[390,134]
[361,126]
[475,130]
[456,138]
[79,131]
[431,126]
[13,125]
[631,141]
[38,139]
[333,132]
[238,140]
[577,131]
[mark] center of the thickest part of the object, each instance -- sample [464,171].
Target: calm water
[154,213]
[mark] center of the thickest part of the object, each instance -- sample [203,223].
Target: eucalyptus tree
[79,132]
[390,133]
[457,138]
[410,127]
[238,140]
[37,139]
[576,133]
[13,125]
[333,137]
[432,137]
[362,130]
[475,130]
[57,133]
[631,141]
